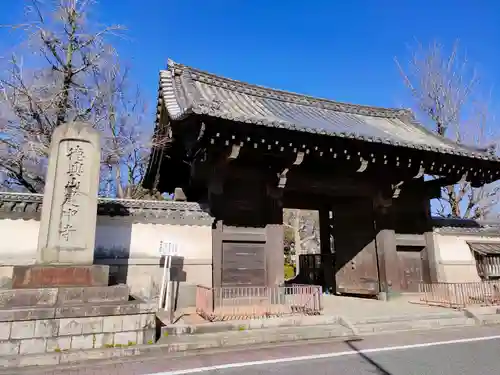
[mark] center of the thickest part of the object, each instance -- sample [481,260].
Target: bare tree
[448,93]
[301,231]
[67,70]
[126,142]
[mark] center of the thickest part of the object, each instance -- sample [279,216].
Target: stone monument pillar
[69,212]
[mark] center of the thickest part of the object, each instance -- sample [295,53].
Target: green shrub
[289,271]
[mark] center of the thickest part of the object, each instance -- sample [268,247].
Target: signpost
[167,250]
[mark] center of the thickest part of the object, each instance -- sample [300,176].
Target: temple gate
[245,152]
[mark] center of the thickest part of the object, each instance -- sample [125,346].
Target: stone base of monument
[47,276]
[50,321]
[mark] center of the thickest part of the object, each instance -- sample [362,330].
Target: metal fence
[229,303]
[457,295]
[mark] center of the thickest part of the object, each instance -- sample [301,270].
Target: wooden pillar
[431,257]
[387,257]
[275,257]
[387,262]
[327,261]
[217,254]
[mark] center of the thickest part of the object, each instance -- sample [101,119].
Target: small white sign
[168,248]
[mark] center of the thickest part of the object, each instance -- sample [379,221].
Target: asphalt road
[468,351]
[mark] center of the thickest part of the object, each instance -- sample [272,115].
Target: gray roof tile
[29,206]
[484,248]
[185,90]
[466,227]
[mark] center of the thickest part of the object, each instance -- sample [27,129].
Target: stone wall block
[128,309]
[5,330]
[71,295]
[70,326]
[11,298]
[116,293]
[92,325]
[148,321]
[9,347]
[23,330]
[112,324]
[58,344]
[140,337]
[149,336]
[83,341]
[104,340]
[46,328]
[32,346]
[125,338]
[17,314]
[131,322]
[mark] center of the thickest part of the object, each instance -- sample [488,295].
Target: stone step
[447,314]
[418,324]
[339,330]
[255,336]
[245,325]
[75,310]
[490,319]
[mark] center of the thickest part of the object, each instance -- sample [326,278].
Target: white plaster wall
[18,241]
[454,248]
[456,262]
[120,237]
[143,240]
[19,238]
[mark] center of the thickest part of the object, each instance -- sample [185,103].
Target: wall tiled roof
[29,206]
[464,226]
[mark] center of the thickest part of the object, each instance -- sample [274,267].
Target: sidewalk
[344,318]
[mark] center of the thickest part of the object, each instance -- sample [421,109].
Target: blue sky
[342,50]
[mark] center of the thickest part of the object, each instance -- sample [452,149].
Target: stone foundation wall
[57,320]
[128,235]
[66,334]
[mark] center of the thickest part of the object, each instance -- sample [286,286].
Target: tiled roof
[485,248]
[465,226]
[29,206]
[185,90]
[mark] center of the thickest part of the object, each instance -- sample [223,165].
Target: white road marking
[325,355]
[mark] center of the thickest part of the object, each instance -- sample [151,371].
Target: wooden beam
[282,176]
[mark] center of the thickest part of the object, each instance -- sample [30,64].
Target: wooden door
[411,267]
[355,252]
[243,264]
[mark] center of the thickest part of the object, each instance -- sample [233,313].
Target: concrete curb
[295,321]
[486,315]
[347,323]
[470,314]
[248,324]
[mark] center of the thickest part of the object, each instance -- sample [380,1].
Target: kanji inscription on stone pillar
[69,212]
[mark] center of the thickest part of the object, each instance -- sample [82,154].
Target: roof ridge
[284,95]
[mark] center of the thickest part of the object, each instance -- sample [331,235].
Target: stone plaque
[69,211]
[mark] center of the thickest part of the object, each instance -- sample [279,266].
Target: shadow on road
[378,368]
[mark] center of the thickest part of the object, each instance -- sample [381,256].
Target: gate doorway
[344,259]
[301,236]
